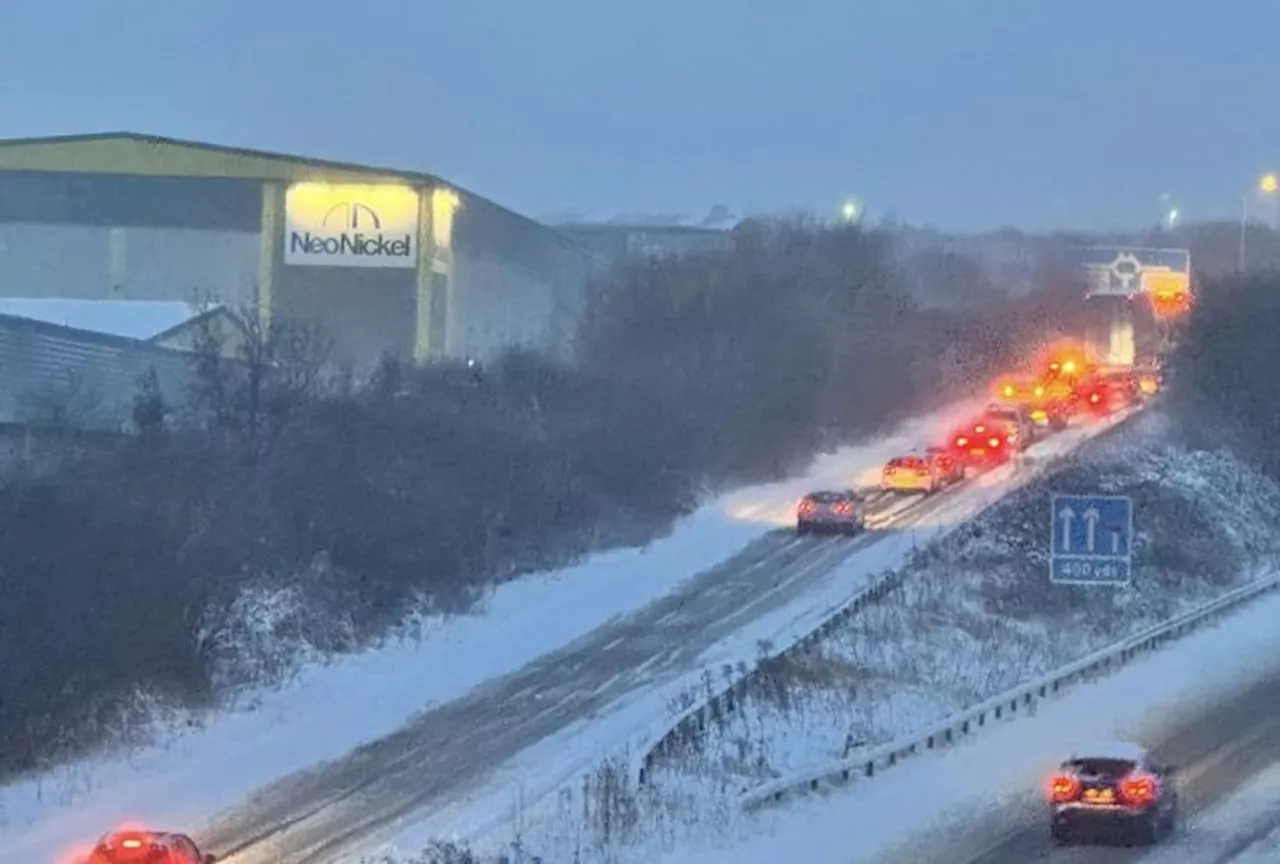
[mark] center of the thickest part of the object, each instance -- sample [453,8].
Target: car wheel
[1059,834]
[1147,830]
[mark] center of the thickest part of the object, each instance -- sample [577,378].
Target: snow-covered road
[1209,704]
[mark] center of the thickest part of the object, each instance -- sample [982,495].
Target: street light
[1267,185]
[851,210]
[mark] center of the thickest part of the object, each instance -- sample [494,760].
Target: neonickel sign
[349,225]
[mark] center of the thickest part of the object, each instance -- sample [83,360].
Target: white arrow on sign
[1068,516]
[1091,517]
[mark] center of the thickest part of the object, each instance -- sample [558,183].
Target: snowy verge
[1205,521]
[198,766]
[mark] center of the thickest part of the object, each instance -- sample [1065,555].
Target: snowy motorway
[440,754]
[1218,750]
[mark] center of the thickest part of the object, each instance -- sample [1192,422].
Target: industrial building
[384,260]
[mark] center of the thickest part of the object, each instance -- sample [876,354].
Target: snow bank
[326,710]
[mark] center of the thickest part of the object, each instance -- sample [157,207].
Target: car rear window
[1104,769]
[829,497]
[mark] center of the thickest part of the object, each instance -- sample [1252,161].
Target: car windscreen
[1107,770]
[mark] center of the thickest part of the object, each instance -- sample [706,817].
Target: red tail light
[994,442]
[807,507]
[844,508]
[1064,788]
[1095,398]
[1139,789]
[962,441]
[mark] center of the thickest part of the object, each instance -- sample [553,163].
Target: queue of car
[1026,408]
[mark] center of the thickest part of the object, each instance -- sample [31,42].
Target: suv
[1113,789]
[1015,421]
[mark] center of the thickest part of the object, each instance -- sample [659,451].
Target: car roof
[1125,750]
[832,494]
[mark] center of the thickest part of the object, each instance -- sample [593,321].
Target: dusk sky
[965,114]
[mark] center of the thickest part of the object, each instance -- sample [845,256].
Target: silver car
[838,512]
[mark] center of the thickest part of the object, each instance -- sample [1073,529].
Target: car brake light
[806,506]
[994,442]
[1138,789]
[844,507]
[962,441]
[1094,397]
[1008,389]
[131,843]
[1064,788]
[980,429]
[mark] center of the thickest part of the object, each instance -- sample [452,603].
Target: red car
[147,847]
[982,445]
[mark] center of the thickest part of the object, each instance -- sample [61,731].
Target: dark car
[1110,792]
[147,847]
[838,512]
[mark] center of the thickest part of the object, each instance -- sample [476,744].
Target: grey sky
[962,113]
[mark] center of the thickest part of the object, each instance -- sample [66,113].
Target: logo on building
[343,225]
[348,215]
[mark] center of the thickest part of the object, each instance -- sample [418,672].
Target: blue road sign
[1117,271]
[1092,539]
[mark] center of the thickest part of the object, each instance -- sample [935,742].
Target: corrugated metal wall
[50,373]
[518,282]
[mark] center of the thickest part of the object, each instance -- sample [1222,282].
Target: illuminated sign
[1112,271]
[347,225]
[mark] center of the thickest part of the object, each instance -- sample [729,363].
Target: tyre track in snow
[313,816]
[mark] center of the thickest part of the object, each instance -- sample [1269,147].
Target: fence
[1010,704]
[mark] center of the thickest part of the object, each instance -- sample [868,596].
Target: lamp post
[1267,185]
